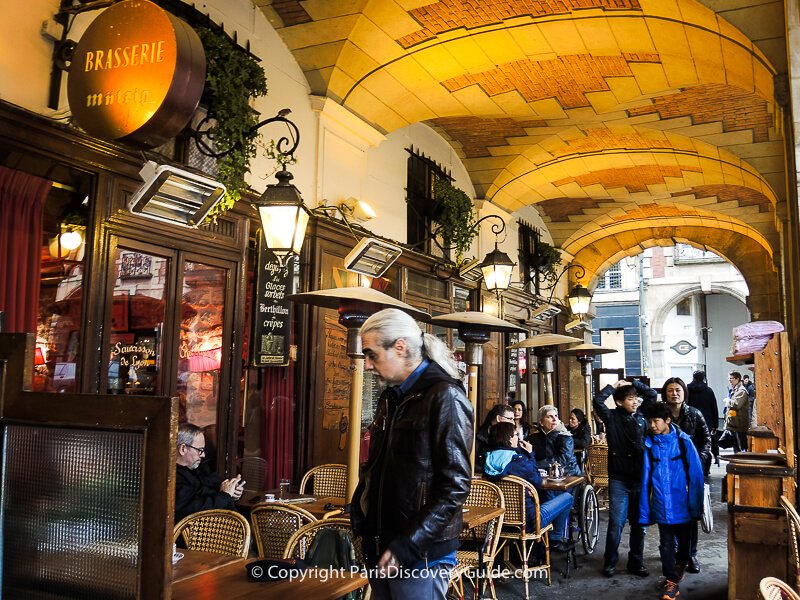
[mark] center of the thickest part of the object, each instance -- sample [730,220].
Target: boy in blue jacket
[672,492]
[513,457]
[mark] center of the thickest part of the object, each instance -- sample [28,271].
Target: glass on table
[283,489]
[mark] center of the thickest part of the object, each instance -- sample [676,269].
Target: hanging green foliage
[233,80]
[456,217]
[546,259]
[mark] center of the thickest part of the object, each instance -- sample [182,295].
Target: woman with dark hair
[513,457]
[691,422]
[578,426]
[521,419]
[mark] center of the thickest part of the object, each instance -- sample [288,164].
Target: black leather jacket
[692,423]
[418,475]
[624,433]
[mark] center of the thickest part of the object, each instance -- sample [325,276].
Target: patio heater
[474,329]
[585,354]
[544,346]
[355,305]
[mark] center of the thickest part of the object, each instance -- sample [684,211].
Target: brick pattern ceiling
[586,110]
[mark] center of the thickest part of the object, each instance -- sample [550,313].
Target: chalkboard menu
[272,313]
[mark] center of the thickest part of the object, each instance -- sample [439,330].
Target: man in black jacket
[196,486]
[703,399]
[407,507]
[624,432]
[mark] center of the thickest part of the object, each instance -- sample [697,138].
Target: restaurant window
[421,178]
[529,238]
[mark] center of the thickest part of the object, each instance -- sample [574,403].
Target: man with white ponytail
[407,507]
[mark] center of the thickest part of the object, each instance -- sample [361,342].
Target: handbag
[725,439]
[708,517]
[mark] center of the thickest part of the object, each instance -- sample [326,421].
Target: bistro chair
[597,468]
[482,493]
[793,520]
[219,531]
[772,588]
[274,523]
[326,480]
[253,470]
[515,525]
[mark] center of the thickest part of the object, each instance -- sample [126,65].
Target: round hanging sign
[136,75]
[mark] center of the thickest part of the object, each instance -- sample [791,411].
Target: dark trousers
[739,442]
[670,537]
[623,504]
[694,526]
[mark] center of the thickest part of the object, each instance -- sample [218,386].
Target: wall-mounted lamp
[579,300]
[497,266]
[372,257]
[358,210]
[175,195]
[284,217]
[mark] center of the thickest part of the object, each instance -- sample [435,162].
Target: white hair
[392,324]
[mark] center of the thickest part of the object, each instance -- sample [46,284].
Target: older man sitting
[196,486]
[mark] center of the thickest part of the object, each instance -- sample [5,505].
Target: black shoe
[560,546]
[639,571]
[609,571]
[694,565]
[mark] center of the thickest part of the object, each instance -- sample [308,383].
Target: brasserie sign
[136,75]
[272,314]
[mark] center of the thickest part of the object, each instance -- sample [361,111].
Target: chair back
[486,494]
[772,588]
[793,520]
[254,471]
[219,531]
[300,542]
[274,523]
[597,464]
[514,491]
[326,480]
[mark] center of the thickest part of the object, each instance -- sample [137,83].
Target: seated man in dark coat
[196,486]
[553,443]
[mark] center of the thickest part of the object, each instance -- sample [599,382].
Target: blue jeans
[555,509]
[671,536]
[425,584]
[623,503]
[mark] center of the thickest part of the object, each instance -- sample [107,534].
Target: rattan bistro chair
[515,525]
[484,494]
[300,542]
[219,531]
[772,588]
[326,480]
[793,521]
[274,523]
[597,468]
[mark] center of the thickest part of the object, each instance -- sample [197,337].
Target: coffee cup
[269,497]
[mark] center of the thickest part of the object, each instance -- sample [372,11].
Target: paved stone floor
[588,582]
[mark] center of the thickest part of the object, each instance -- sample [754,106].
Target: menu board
[336,397]
[272,312]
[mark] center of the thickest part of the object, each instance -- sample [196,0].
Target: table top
[562,485]
[316,506]
[230,582]
[195,562]
[478,515]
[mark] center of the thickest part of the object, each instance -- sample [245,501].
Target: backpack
[333,548]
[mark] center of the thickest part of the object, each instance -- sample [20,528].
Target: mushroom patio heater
[355,305]
[544,346]
[474,329]
[585,354]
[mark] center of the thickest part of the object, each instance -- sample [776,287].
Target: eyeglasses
[200,451]
[507,419]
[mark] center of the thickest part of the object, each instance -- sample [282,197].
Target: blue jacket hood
[497,460]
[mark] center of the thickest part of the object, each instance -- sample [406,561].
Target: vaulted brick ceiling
[583,109]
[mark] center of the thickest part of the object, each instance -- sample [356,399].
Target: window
[684,307]
[422,175]
[612,279]
[529,238]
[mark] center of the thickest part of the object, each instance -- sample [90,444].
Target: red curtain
[22,199]
[278,433]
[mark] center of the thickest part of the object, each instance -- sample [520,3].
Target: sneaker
[694,565]
[609,571]
[671,590]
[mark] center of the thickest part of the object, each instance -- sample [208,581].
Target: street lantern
[496,269]
[283,216]
[579,300]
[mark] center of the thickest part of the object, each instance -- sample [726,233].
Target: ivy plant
[233,80]
[456,217]
[545,260]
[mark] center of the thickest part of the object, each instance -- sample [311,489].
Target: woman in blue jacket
[512,456]
[672,492]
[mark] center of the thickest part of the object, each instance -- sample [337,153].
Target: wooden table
[230,582]
[562,485]
[195,562]
[473,517]
[316,507]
